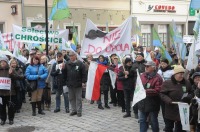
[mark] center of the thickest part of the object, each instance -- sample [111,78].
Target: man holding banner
[150,106]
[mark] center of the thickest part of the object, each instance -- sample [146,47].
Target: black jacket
[139,65]
[128,83]
[75,74]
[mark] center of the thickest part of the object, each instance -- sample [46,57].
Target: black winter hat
[128,60]
[165,60]
[140,54]
[195,74]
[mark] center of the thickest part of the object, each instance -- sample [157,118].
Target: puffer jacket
[152,85]
[33,72]
[4,72]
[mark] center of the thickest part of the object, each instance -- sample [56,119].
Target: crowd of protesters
[61,73]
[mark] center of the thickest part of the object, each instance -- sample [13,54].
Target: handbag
[31,85]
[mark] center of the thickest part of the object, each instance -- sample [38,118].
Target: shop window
[162,32]
[146,35]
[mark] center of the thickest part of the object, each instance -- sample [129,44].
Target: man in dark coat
[150,106]
[76,78]
[128,77]
[59,82]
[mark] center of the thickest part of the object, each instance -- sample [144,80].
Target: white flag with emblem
[139,93]
[184,115]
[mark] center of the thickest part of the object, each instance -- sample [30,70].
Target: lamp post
[46,23]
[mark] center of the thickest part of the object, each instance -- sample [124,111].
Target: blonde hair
[12,60]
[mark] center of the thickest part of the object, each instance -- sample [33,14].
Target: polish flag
[95,74]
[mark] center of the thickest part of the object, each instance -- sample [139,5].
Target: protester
[157,54]
[150,106]
[8,96]
[153,58]
[46,96]
[104,84]
[17,83]
[36,72]
[113,92]
[75,72]
[59,81]
[119,85]
[128,77]
[138,64]
[194,124]
[177,89]
[165,71]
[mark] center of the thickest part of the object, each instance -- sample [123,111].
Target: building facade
[113,12]
[159,14]
[10,14]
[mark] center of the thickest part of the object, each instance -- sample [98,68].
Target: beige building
[10,14]
[114,12]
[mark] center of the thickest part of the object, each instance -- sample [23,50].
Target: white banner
[197,44]
[113,77]
[97,42]
[139,93]
[5,83]
[184,115]
[36,35]
[192,58]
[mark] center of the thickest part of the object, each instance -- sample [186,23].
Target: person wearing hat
[165,71]
[105,83]
[8,96]
[157,54]
[177,89]
[194,125]
[150,106]
[59,82]
[75,78]
[113,91]
[138,64]
[128,77]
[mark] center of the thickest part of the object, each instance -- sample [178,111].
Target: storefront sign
[162,8]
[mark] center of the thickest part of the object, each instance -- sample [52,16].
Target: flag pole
[46,23]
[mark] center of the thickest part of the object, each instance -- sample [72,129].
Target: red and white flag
[95,74]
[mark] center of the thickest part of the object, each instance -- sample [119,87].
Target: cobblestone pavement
[92,120]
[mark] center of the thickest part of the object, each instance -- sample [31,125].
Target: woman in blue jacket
[36,71]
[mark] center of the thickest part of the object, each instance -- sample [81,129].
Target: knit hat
[140,54]
[178,69]
[165,61]
[128,60]
[4,58]
[195,74]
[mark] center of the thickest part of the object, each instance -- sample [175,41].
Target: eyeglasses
[147,66]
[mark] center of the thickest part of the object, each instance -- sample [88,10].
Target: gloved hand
[186,100]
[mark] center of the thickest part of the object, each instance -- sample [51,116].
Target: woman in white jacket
[165,70]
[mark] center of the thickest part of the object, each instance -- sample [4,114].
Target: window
[38,24]
[162,32]
[104,28]
[70,28]
[146,35]
[1,27]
